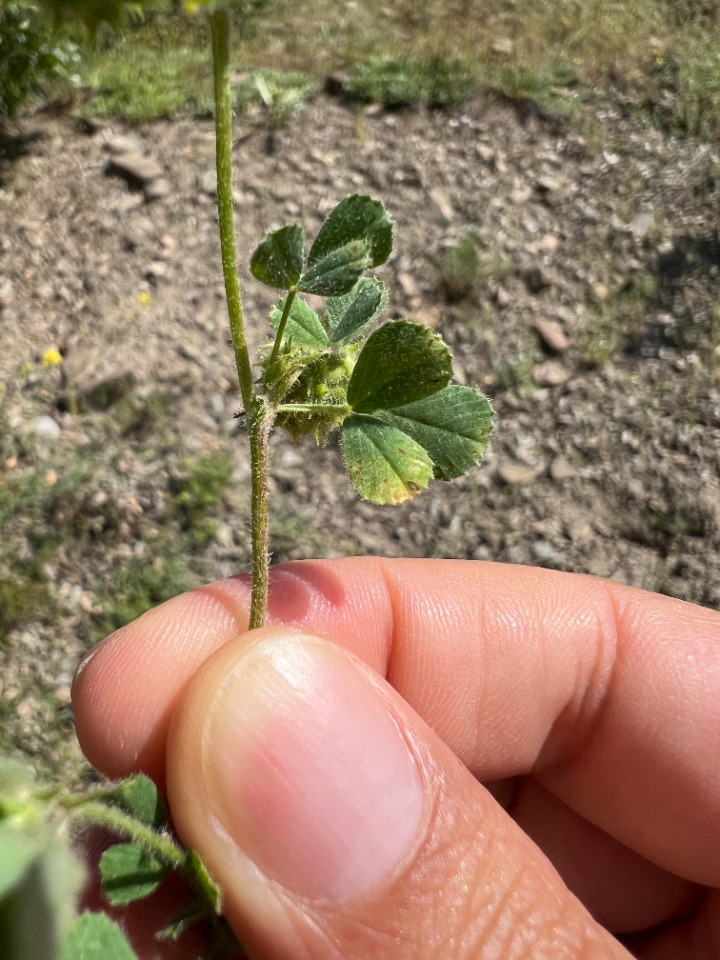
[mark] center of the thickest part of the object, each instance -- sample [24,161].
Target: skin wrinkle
[392,644]
[583,718]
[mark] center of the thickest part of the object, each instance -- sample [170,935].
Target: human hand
[497,738]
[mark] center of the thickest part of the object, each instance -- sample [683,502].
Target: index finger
[609,695]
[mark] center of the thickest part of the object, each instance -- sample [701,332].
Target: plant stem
[281,326]
[166,850]
[333,408]
[259,433]
[259,417]
[220,30]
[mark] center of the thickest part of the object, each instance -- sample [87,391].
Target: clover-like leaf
[96,937]
[384,464]
[338,271]
[129,873]
[400,363]
[303,327]
[349,317]
[453,426]
[278,260]
[356,218]
[139,797]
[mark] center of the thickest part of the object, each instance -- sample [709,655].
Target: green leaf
[349,317]
[400,363]
[139,797]
[129,873]
[278,261]
[338,271]
[453,426]
[303,327]
[355,218]
[96,937]
[384,464]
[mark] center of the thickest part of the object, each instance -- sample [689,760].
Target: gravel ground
[574,277]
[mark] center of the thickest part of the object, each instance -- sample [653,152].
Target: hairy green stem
[333,408]
[169,853]
[259,431]
[281,326]
[259,418]
[220,30]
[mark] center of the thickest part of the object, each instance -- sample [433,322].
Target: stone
[548,185]
[552,335]
[502,297]
[516,474]
[641,225]
[550,374]
[136,168]
[407,284]
[579,531]
[520,195]
[120,144]
[547,555]
[93,379]
[207,182]
[561,469]
[45,428]
[536,280]
[504,46]
[156,189]
[441,209]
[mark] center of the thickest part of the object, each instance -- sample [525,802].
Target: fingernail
[308,771]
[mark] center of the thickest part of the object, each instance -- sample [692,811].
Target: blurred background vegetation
[660,56]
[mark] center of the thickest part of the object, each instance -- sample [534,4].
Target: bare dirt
[590,319]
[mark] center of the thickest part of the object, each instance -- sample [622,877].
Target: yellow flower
[51,357]
[144,298]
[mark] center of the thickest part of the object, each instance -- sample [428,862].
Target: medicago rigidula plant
[384,386]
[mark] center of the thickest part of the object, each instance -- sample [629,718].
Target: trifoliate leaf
[384,464]
[338,271]
[139,797]
[303,327]
[453,426]
[400,363]
[349,317]
[96,937]
[355,218]
[278,260]
[129,873]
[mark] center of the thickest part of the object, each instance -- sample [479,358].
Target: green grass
[198,491]
[141,583]
[660,55]
[146,81]
[66,517]
[408,81]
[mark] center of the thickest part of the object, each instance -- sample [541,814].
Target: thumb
[338,824]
